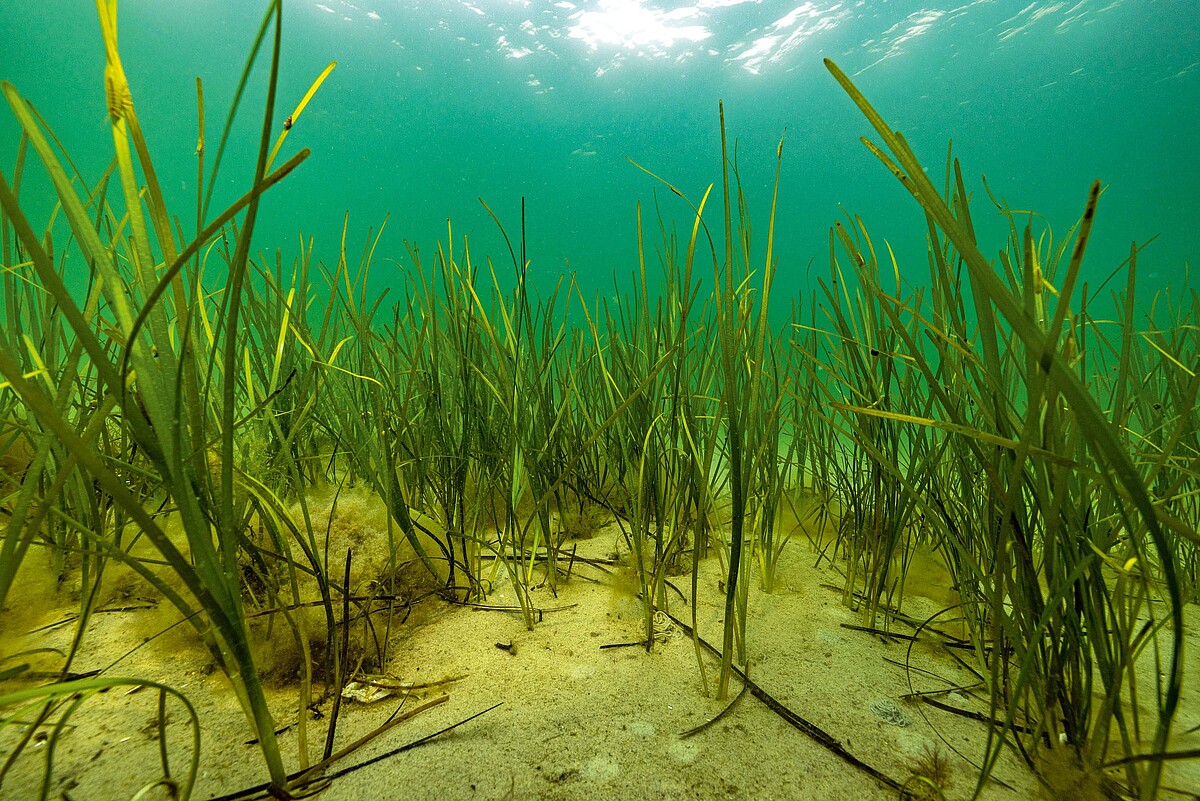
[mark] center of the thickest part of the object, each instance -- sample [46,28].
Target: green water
[434,105]
[1033,485]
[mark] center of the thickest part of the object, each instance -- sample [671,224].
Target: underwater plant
[930,776]
[990,419]
[138,330]
[1056,580]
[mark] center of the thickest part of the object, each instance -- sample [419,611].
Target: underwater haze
[953,526]
[437,104]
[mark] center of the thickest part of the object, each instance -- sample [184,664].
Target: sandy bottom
[575,721]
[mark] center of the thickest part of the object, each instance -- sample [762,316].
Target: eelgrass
[1051,461]
[877,517]
[660,444]
[54,706]
[747,426]
[148,369]
[961,418]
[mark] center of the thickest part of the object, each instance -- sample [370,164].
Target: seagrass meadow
[924,528]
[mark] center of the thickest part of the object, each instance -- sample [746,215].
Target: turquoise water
[436,104]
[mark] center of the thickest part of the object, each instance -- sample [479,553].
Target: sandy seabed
[575,720]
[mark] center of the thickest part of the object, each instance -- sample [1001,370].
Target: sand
[575,720]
